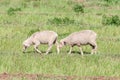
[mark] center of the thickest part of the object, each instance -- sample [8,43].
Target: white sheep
[84,37]
[43,37]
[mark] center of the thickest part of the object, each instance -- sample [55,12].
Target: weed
[111,20]
[11,11]
[109,2]
[59,21]
[78,8]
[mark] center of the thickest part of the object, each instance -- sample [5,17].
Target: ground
[21,76]
[21,18]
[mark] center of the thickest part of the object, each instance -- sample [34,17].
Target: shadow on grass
[43,52]
[29,52]
[78,52]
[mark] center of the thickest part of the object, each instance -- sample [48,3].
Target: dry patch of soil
[22,76]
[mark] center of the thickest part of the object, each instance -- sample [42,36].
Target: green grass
[15,29]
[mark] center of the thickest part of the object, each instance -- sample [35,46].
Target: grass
[15,29]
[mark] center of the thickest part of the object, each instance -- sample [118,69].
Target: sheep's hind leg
[48,50]
[81,50]
[70,50]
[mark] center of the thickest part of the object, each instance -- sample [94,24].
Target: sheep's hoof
[91,53]
[69,53]
[46,53]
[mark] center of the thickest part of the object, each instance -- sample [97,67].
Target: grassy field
[34,15]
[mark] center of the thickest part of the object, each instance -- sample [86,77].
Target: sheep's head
[62,43]
[25,46]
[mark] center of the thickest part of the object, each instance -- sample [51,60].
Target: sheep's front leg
[57,45]
[81,50]
[58,50]
[48,50]
[36,48]
[70,50]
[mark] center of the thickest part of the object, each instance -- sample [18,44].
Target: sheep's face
[25,46]
[62,43]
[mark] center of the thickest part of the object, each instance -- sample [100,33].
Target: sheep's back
[45,36]
[82,37]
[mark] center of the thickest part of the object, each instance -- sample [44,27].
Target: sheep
[43,37]
[84,37]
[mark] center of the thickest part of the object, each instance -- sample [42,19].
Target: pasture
[20,18]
